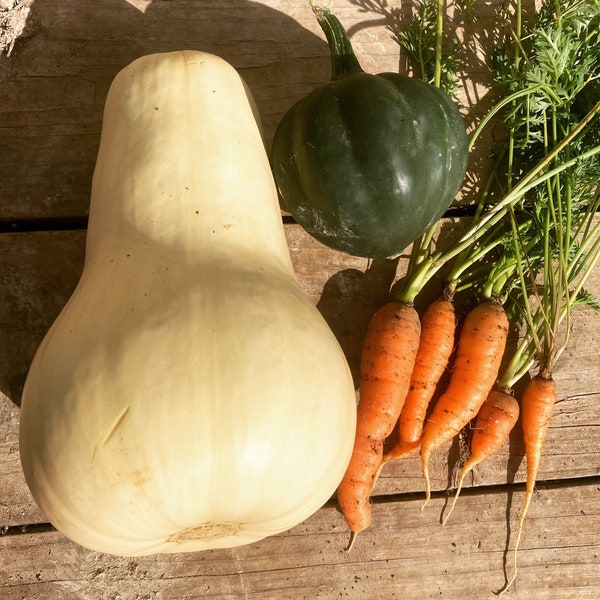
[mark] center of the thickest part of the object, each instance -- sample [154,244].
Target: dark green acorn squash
[367,163]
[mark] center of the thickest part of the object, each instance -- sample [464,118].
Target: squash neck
[343,59]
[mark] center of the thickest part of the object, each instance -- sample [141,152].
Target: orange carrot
[495,420]
[435,347]
[537,406]
[387,360]
[480,347]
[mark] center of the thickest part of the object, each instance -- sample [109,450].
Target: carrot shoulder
[435,347]
[387,359]
[480,347]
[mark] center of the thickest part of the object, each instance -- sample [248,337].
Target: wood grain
[405,554]
[55,81]
[42,268]
[52,91]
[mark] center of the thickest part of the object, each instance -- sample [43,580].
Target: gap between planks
[484,490]
[36,224]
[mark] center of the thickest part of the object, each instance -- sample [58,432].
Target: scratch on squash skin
[115,426]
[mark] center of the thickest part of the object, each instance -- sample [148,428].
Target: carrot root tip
[351,541]
[425,466]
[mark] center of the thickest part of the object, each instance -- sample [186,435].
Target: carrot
[495,420]
[537,406]
[480,347]
[387,360]
[435,346]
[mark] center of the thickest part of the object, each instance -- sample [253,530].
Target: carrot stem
[429,266]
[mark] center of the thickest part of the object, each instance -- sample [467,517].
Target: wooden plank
[52,90]
[54,83]
[39,272]
[405,554]
[41,269]
[16,503]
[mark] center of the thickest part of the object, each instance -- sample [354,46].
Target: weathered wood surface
[406,554]
[53,85]
[52,89]
[561,548]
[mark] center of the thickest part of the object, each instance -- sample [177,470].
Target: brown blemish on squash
[139,477]
[206,532]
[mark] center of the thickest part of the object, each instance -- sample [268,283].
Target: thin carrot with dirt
[436,343]
[481,344]
[387,360]
[537,406]
[495,421]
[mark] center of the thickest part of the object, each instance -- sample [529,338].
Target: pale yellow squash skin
[189,395]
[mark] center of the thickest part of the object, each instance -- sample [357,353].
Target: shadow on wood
[54,84]
[39,273]
[349,300]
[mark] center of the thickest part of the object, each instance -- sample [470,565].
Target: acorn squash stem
[343,59]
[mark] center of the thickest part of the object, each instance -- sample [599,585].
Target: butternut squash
[189,395]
